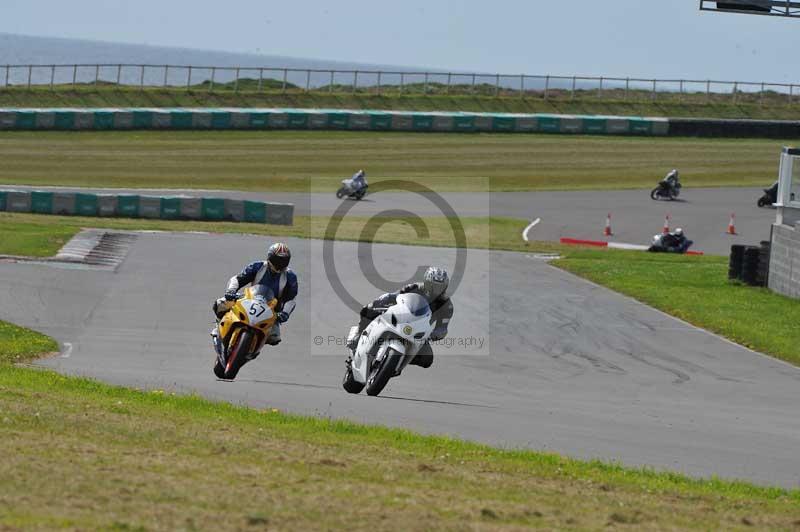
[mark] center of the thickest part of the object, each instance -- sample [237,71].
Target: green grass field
[299,161]
[81,455]
[586,102]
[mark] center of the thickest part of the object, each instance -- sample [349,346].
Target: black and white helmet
[278,256]
[435,282]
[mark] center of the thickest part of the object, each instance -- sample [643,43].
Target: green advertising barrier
[104,120]
[2,200]
[42,202]
[26,119]
[255,212]
[128,206]
[220,120]
[142,119]
[337,120]
[463,123]
[180,119]
[18,201]
[639,126]
[549,124]
[64,203]
[380,121]
[594,125]
[422,122]
[64,120]
[213,209]
[170,208]
[504,123]
[297,120]
[86,204]
[280,213]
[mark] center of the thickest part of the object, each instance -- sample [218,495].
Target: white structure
[784,266]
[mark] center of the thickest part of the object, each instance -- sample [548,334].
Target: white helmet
[679,231]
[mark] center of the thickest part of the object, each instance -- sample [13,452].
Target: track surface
[703,213]
[574,368]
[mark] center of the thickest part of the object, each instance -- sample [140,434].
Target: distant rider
[274,273]
[675,242]
[359,180]
[673,179]
[433,288]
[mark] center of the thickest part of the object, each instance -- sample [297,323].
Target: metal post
[680,95]
[761,96]
[449,77]
[402,81]
[708,90]
[30,73]
[574,83]
[119,74]
[283,89]
[522,85]
[74,75]
[166,74]
[213,75]
[497,84]
[96,74]
[330,86]
[426,84]
[473,84]
[260,79]
[308,80]
[189,79]
[627,87]
[546,86]
[355,81]
[600,91]
[735,90]
[236,81]
[141,79]
[791,91]
[653,96]
[379,82]
[8,68]
[52,75]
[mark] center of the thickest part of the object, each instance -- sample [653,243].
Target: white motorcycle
[388,344]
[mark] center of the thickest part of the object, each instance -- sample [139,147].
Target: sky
[648,38]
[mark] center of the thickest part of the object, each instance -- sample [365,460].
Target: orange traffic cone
[731,225]
[607,230]
[666,225]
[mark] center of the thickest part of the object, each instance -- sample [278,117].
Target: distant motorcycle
[354,188]
[666,189]
[770,196]
[669,243]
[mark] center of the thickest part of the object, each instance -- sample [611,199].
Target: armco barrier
[325,119]
[155,207]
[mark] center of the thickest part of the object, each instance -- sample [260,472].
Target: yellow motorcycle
[243,330]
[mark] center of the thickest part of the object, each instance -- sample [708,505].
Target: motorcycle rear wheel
[379,376]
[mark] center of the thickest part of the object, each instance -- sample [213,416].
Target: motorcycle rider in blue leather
[274,273]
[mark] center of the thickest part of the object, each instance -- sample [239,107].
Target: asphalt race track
[703,213]
[569,366]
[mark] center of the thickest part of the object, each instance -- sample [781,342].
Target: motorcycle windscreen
[261,291]
[416,304]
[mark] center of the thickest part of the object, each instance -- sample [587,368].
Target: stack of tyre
[749,264]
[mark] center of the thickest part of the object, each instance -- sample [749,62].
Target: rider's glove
[283,317]
[231,295]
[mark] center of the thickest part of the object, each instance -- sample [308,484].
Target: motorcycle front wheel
[350,384]
[238,353]
[655,193]
[340,193]
[381,373]
[762,202]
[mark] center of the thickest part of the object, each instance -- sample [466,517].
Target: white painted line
[67,350]
[531,226]
[620,245]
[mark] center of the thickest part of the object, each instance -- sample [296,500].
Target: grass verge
[586,102]
[79,454]
[268,160]
[39,235]
[696,289]
[18,344]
